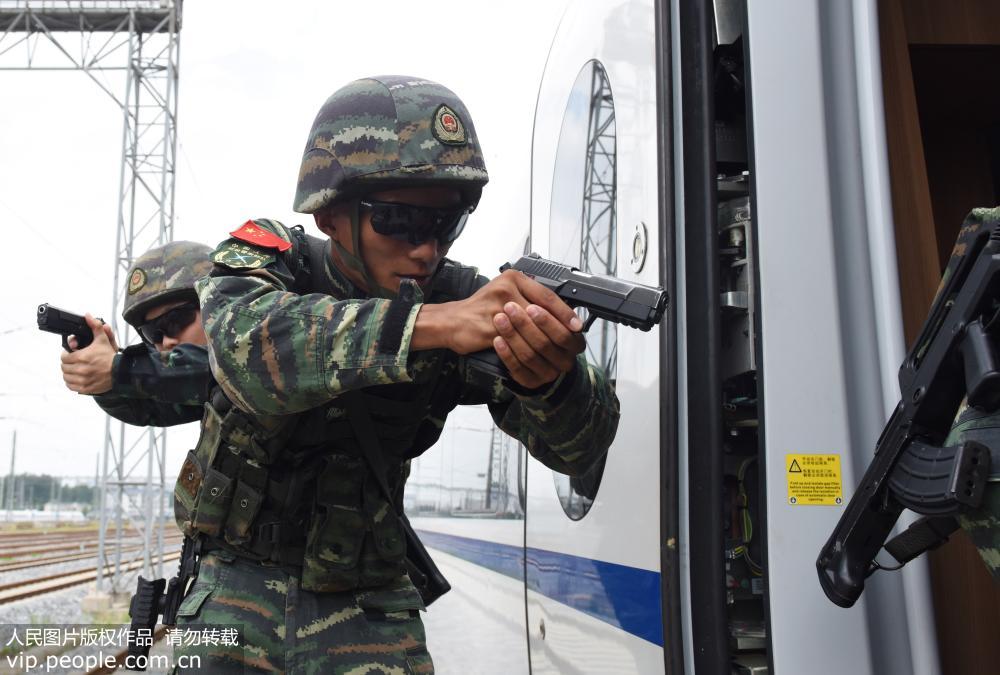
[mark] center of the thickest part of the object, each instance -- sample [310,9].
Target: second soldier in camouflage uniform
[165,379]
[324,349]
[982,524]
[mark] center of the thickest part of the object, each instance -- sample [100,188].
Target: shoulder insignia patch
[136,281]
[254,234]
[448,128]
[239,256]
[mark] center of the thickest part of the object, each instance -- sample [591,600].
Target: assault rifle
[59,321]
[604,297]
[155,597]
[955,357]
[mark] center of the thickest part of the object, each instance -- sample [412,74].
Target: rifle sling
[923,535]
[361,421]
[420,566]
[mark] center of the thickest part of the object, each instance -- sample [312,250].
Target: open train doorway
[942,101]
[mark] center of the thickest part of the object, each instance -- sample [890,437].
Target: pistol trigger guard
[591,318]
[65,339]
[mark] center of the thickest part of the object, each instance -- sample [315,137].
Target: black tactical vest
[296,490]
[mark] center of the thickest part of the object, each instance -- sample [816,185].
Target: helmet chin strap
[355,262]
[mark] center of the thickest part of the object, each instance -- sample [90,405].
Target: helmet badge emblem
[448,127]
[136,281]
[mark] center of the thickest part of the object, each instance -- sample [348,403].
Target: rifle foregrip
[143,609]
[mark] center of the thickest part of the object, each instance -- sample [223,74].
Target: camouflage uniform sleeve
[569,426]
[153,389]
[276,352]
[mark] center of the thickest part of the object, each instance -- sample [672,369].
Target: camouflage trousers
[983,524]
[983,528]
[284,629]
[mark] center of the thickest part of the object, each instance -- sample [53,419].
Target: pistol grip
[83,339]
[487,361]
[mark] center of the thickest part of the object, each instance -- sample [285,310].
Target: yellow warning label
[814,480]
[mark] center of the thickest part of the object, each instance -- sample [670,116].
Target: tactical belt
[265,547]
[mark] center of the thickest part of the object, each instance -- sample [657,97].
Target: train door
[788,333]
[757,128]
[592,542]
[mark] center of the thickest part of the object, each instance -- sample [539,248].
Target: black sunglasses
[417,224]
[169,324]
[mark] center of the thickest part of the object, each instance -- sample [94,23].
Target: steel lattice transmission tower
[497,470]
[106,39]
[598,220]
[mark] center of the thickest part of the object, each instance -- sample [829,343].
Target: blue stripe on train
[625,597]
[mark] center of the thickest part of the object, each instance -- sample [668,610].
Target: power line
[36,231]
[13,330]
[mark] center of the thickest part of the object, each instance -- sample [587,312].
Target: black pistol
[954,357]
[59,321]
[604,297]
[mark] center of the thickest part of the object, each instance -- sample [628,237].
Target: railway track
[25,551]
[39,586]
[29,537]
[52,560]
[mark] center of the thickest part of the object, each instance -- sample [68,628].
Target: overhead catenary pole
[134,43]
[598,220]
[95,497]
[10,480]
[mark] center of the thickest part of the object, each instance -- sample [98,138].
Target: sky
[252,77]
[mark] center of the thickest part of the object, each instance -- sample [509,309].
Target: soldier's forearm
[180,376]
[430,330]
[550,424]
[147,412]
[277,352]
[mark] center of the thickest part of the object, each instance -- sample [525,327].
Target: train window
[583,229]
[475,471]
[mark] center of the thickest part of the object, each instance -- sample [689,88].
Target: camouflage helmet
[386,132]
[164,274]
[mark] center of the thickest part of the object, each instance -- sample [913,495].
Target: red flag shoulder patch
[252,233]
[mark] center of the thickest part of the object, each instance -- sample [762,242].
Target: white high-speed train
[735,153]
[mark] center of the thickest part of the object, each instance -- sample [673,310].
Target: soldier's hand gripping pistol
[604,297]
[955,357]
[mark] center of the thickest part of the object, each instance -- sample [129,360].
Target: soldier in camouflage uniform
[165,379]
[330,352]
[983,524]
